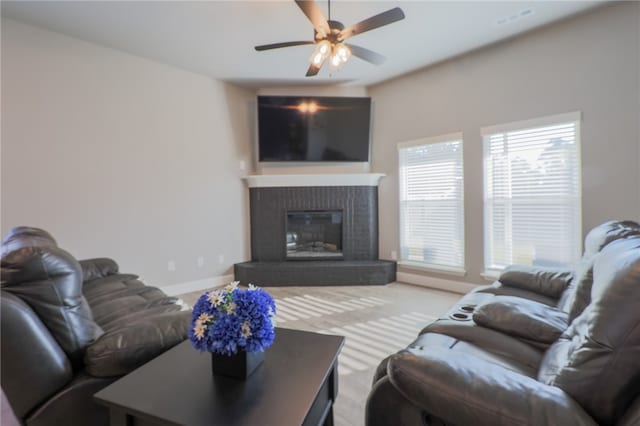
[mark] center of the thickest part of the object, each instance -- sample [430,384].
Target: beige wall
[123,157]
[589,63]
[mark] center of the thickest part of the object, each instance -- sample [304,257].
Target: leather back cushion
[93,269]
[610,231]
[49,280]
[548,281]
[23,236]
[578,295]
[596,359]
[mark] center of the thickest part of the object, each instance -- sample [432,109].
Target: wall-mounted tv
[313,128]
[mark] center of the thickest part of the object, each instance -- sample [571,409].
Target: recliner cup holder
[460,316]
[467,308]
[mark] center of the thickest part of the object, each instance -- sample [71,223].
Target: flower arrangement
[228,320]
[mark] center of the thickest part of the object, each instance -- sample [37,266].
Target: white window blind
[532,193]
[432,203]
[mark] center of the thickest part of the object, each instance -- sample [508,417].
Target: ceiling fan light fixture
[336,61]
[342,51]
[320,53]
[324,47]
[317,59]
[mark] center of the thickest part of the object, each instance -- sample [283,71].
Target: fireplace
[314,230]
[314,235]
[357,205]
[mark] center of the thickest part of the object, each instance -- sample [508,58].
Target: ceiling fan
[329,36]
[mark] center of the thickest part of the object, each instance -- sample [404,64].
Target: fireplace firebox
[314,235]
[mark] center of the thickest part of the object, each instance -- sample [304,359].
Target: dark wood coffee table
[296,385]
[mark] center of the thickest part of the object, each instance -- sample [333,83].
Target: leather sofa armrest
[522,318]
[546,281]
[463,391]
[98,268]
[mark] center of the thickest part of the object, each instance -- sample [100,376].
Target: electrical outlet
[171,266]
[221,259]
[394,255]
[200,261]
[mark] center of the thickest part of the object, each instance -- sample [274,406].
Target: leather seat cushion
[112,285]
[431,341]
[124,349]
[111,312]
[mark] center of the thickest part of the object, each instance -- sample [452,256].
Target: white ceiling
[216,38]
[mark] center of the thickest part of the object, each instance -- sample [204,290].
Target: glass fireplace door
[314,235]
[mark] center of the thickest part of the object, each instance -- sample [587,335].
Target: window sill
[458,272]
[491,274]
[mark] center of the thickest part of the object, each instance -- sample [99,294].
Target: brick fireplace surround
[272,196]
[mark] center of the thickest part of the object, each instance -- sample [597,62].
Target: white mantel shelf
[342,179]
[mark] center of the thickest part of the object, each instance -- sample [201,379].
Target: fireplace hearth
[314,235]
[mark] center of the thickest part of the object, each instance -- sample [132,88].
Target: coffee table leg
[119,418]
[328,420]
[333,383]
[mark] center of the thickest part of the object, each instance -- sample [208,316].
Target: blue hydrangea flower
[231,319]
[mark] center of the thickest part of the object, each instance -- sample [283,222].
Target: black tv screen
[305,128]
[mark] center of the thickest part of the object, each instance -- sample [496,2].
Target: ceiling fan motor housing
[333,37]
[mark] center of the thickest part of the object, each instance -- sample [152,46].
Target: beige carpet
[376,321]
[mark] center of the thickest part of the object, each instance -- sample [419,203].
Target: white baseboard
[403,277]
[432,282]
[188,287]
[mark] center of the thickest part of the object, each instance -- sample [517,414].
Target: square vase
[238,366]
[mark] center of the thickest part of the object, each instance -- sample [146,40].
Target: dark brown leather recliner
[492,315]
[509,359]
[71,328]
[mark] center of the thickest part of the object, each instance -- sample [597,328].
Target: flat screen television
[312,128]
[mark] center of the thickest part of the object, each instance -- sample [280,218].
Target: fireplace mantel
[342,179]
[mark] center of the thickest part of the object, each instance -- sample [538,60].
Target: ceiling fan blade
[367,55]
[284,44]
[313,70]
[377,21]
[311,9]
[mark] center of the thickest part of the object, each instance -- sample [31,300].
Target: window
[432,203]
[532,195]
